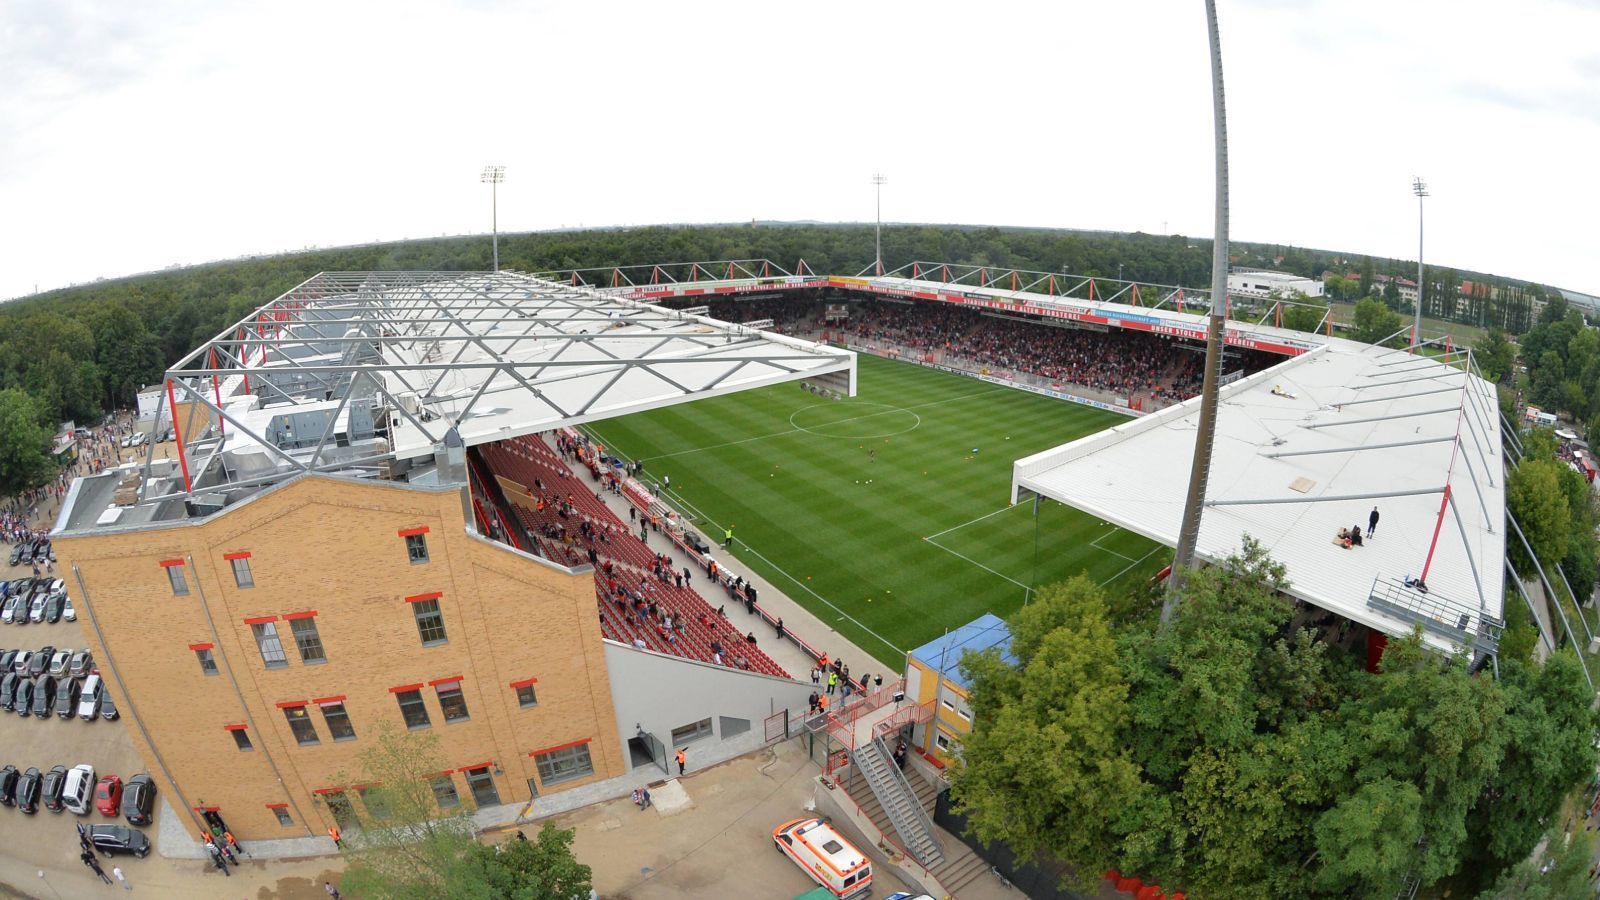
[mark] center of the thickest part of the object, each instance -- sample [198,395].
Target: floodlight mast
[492,176]
[1200,471]
[1420,188]
[878,182]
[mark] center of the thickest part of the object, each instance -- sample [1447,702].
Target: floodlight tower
[878,181]
[1420,188]
[1200,470]
[492,176]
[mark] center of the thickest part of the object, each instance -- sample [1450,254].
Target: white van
[78,789]
[825,855]
[89,700]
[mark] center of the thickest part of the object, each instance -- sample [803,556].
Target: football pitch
[885,514]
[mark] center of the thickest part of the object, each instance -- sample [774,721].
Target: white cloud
[140,136]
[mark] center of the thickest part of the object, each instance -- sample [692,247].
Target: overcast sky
[136,135]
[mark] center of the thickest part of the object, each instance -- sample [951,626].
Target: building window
[241,572]
[376,803]
[452,703]
[417,548]
[686,734]
[208,662]
[430,621]
[481,783]
[307,640]
[732,727]
[564,764]
[444,792]
[283,816]
[180,585]
[412,709]
[338,720]
[242,738]
[526,696]
[271,647]
[300,724]
[942,741]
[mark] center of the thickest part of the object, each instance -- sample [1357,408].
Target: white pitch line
[973,522]
[1096,544]
[1131,565]
[979,564]
[761,437]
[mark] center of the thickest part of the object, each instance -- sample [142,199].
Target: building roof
[372,373]
[944,653]
[1306,448]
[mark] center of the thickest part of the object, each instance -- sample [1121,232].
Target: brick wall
[332,546]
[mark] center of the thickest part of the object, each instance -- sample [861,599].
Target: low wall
[1005,382]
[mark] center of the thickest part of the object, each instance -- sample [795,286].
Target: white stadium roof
[1306,448]
[369,371]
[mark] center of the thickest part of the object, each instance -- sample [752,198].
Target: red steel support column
[1438,524]
[177,435]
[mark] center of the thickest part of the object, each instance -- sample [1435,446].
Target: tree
[1373,321]
[1368,842]
[1495,355]
[541,869]
[25,460]
[1534,495]
[1043,769]
[1549,373]
[1566,878]
[1302,316]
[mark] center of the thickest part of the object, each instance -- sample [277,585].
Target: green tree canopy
[25,460]
[1373,321]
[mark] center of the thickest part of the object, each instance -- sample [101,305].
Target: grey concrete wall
[658,693]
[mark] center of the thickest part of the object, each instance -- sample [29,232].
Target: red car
[108,795]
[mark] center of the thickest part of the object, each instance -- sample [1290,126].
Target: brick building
[255,648]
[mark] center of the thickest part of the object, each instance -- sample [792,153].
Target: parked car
[36,606]
[40,661]
[28,791]
[43,551]
[58,588]
[22,551]
[19,663]
[67,612]
[68,693]
[50,793]
[59,663]
[8,690]
[108,707]
[53,608]
[89,699]
[825,855]
[82,662]
[24,702]
[111,840]
[108,795]
[44,696]
[7,658]
[8,785]
[77,789]
[138,799]
[8,612]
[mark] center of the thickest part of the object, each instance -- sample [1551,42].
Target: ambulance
[826,856]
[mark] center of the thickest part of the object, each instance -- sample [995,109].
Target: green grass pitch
[891,551]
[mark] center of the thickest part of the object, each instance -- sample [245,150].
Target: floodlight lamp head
[493,174]
[1419,187]
[880,179]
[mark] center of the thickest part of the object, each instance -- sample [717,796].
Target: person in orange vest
[822,703]
[681,757]
[338,839]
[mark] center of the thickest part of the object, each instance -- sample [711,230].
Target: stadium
[582,491]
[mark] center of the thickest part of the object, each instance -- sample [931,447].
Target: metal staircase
[876,764]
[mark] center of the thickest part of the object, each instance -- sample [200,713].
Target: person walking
[644,795]
[331,891]
[123,879]
[1372,522]
[833,682]
[780,628]
[338,838]
[681,757]
[91,862]
[727,537]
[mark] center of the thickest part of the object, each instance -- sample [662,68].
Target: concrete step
[961,871]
